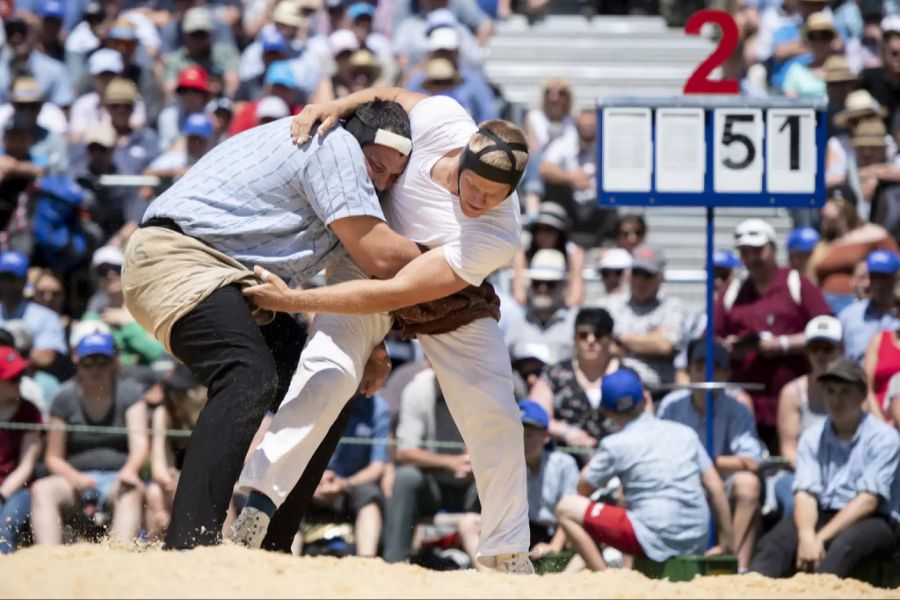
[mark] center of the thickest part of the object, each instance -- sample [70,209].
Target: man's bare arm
[375,247]
[427,278]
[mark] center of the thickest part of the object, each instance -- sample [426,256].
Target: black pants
[776,552]
[247,370]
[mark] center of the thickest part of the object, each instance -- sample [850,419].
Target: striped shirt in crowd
[263,200]
[660,464]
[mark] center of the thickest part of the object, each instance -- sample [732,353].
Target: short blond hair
[498,158]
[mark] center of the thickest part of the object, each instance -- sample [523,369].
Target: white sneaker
[250,527]
[516,563]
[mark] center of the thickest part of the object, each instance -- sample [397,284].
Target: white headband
[390,139]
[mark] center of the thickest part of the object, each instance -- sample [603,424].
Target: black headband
[368,134]
[472,160]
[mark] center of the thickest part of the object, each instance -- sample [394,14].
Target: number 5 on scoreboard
[738,151]
[790,151]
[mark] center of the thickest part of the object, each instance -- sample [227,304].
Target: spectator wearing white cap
[549,230]
[470,88]
[411,38]
[615,271]
[469,13]
[271,108]
[546,318]
[761,318]
[801,403]
[87,112]
[280,82]
[649,323]
[134,345]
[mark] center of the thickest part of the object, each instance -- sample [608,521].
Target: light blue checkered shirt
[262,200]
[659,464]
[836,471]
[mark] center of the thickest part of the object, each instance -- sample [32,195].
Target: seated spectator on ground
[46,149]
[279,83]
[88,112]
[546,318]
[550,474]
[192,95]
[550,230]
[93,473]
[200,49]
[183,399]
[569,167]
[736,449]
[19,451]
[845,242]
[801,403]
[664,471]
[615,271]
[134,345]
[866,318]
[800,244]
[198,140]
[468,86]
[649,324]
[761,319]
[46,326]
[427,478]
[570,390]
[351,485]
[631,231]
[845,487]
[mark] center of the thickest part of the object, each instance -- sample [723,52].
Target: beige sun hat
[859,105]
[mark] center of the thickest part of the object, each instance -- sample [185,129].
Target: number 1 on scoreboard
[791,150]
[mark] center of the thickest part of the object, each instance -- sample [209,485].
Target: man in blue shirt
[351,486]
[46,327]
[846,488]
[664,471]
[19,53]
[866,318]
[736,449]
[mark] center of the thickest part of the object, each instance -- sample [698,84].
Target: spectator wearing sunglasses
[649,324]
[135,346]
[884,82]
[615,270]
[91,473]
[570,390]
[46,326]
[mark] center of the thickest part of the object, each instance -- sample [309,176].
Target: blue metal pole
[710,341]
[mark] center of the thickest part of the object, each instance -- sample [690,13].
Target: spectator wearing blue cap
[663,469]
[736,449]
[274,47]
[279,82]
[198,132]
[52,13]
[865,319]
[361,16]
[800,244]
[882,358]
[46,326]
[551,475]
[294,20]
[93,474]
[724,264]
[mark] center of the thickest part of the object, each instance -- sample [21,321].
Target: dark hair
[598,318]
[387,115]
[633,218]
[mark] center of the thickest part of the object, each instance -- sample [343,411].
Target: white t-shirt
[421,210]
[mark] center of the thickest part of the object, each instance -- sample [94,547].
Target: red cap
[11,364]
[193,78]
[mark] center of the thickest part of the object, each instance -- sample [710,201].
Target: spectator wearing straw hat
[866,318]
[546,318]
[883,82]
[806,78]
[362,72]
[879,179]
[761,319]
[46,149]
[550,230]
[858,106]
[839,82]
[20,56]
[19,450]
[138,57]
[846,487]
[361,15]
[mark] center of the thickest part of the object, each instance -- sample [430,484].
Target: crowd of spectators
[104,104]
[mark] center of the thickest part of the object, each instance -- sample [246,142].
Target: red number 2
[699,82]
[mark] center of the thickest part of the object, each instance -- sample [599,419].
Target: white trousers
[474,372]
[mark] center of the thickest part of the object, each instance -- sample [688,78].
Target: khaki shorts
[166,274]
